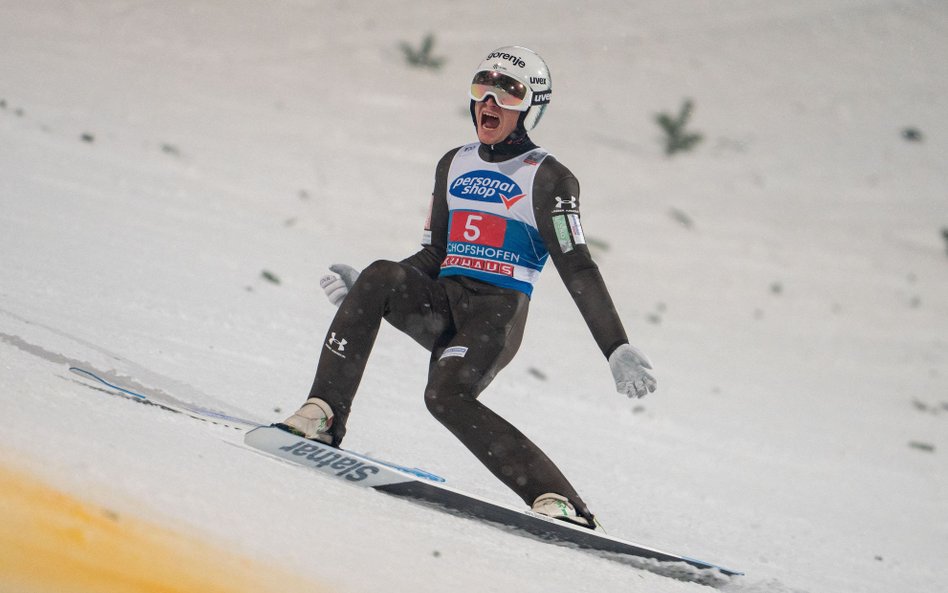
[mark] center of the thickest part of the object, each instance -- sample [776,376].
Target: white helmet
[525,67]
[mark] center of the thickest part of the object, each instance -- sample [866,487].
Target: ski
[170,404]
[364,471]
[414,484]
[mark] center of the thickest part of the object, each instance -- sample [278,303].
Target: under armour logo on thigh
[336,346]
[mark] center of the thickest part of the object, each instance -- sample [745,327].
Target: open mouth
[489,121]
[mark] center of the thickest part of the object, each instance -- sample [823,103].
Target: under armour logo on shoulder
[336,346]
[564,204]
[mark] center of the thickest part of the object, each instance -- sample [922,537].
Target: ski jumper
[497,214]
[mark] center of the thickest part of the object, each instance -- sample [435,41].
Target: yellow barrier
[51,542]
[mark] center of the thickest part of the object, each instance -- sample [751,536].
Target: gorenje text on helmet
[515,60]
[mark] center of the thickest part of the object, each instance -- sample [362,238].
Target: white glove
[337,285]
[629,366]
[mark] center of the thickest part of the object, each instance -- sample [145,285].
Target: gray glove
[629,368]
[337,284]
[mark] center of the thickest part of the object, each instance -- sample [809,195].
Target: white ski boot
[311,421]
[559,507]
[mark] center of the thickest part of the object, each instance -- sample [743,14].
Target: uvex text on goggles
[508,92]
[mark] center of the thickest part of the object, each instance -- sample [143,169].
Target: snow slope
[788,278]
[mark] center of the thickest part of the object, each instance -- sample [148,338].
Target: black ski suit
[487,320]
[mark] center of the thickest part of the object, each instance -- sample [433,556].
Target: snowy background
[159,161]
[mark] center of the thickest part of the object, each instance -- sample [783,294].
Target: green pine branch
[677,139]
[422,57]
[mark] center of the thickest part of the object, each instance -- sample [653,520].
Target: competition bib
[492,230]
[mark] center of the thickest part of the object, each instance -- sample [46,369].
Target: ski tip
[90,375]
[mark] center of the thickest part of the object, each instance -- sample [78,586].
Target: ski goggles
[508,92]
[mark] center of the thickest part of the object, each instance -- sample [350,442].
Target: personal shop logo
[487,186]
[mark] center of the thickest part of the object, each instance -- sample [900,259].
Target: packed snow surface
[177,176]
